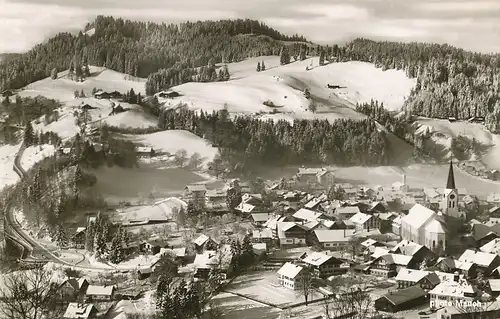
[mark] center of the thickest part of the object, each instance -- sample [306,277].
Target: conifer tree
[60,236]
[220,77]
[322,57]
[53,74]
[284,56]
[86,71]
[263,66]
[302,52]
[227,76]
[116,250]
[89,237]
[82,94]
[258,66]
[29,135]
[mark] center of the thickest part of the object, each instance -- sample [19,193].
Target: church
[426,227]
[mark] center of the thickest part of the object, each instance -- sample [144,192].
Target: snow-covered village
[222,169]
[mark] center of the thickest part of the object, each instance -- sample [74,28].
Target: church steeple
[450,184]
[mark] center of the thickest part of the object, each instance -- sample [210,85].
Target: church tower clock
[450,196]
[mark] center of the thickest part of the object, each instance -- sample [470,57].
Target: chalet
[144,272]
[377,207]
[73,288]
[483,234]
[178,253]
[259,219]
[455,290]
[410,277]
[417,251]
[101,95]
[87,107]
[262,235]
[315,176]
[216,198]
[272,223]
[245,208]
[449,265]
[204,262]
[400,300]
[196,194]
[323,265]
[364,222]
[494,287]
[79,237]
[494,175]
[485,262]
[333,239]
[290,275]
[315,202]
[291,234]
[493,247]
[168,94]
[494,211]
[80,311]
[203,242]
[389,265]
[347,212]
[145,151]
[153,246]
[99,293]
[306,215]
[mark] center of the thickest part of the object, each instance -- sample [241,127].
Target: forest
[247,142]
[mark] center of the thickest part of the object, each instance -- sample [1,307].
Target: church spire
[450,184]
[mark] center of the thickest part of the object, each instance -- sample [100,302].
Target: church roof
[418,216]
[450,184]
[435,227]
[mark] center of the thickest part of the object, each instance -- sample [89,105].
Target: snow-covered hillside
[442,132]
[284,86]
[175,140]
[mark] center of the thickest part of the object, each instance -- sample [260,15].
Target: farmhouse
[315,176]
[410,277]
[259,219]
[145,151]
[364,222]
[322,264]
[99,293]
[203,242]
[79,237]
[485,262]
[196,194]
[168,94]
[153,246]
[216,198]
[332,239]
[80,311]
[73,288]
[403,299]
[291,234]
[452,291]
[289,276]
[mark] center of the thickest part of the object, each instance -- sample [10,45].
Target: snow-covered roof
[360,218]
[327,223]
[418,216]
[431,192]
[272,222]
[261,217]
[479,258]
[348,210]
[452,289]
[316,259]
[310,171]
[202,239]
[143,149]
[333,235]
[79,230]
[493,198]
[494,284]
[207,259]
[492,221]
[196,188]
[369,242]
[100,290]
[492,247]
[245,208]
[79,311]
[290,270]
[262,233]
[407,247]
[282,227]
[315,201]
[380,251]
[411,275]
[306,214]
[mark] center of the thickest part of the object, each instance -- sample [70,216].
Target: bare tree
[29,295]
[180,157]
[195,161]
[306,282]
[477,309]
[350,299]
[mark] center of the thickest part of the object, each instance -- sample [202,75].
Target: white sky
[473,24]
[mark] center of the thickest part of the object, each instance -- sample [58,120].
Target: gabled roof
[371,242]
[492,247]
[201,240]
[261,217]
[264,233]
[80,230]
[347,210]
[333,235]
[450,184]
[290,270]
[379,252]
[100,290]
[435,226]
[245,208]
[407,248]
[306,214]
[282,227]
[397,259]
[494,284]
[318,259]
[360,218]
[418,216]
[411,275]
[452,289]
[402,296]
[79,311]
[478,258]
[196,188]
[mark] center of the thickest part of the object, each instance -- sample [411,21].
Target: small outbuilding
[403,299]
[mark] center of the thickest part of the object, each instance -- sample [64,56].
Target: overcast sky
[473,24]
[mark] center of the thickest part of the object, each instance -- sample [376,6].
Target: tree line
[244,141]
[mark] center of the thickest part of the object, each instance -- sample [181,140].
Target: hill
[283,86]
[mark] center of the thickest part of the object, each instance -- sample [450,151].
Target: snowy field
[161,211]
[31,156]
[442,132]
[175,140]
[236,307]
[284,85]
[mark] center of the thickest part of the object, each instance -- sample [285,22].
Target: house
[396,225]
[196,194]
[364,222]
[290,275]
[145,151]
[323,265]
[73,288]
[483,234]
[245,208]
[306,215]
[79,237]
[315,176]
[371,243]
[262,235]
[494,287]
[87,107]
[418,252]
[410,277]
[388,265]
[206,261]
[485,262]
[400,300]
[99,293]
[144,272]
[315,202]
[216,198]
[203,242]
[259,219]
[168,94]
[333,239]
[259,248]
[101,95]
[80,311]
[346,212]
[291,234]
[153,246]
[492,247]
[252,199]
[494,211]
[450,265]
[456,290]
